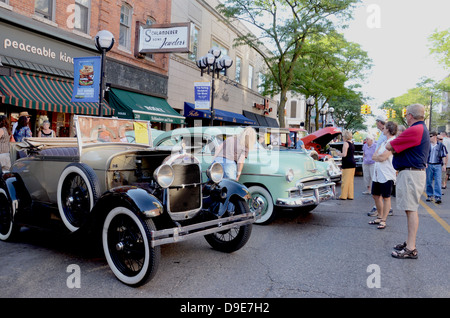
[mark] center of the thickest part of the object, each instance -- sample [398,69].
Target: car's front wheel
[264,202]
[126,244]
[232,239]
[8,229]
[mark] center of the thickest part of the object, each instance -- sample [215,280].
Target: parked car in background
[358,152]
[274,178]
[110,182]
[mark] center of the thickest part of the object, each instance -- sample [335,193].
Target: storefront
[221,117]
[261,120]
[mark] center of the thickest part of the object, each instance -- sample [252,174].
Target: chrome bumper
[181,233]
[315,198]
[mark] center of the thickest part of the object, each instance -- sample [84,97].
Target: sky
[395,35]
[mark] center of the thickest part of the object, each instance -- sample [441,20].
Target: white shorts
[409,187]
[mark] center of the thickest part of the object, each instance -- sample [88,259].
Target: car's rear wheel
[126,243]
[232,239]
[265,203]
[8,229]
[78,190]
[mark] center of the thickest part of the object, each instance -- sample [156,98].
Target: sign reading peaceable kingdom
[164,38]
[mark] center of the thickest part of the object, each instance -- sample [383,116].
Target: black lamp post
[309,104]
[104,41]
[212,62]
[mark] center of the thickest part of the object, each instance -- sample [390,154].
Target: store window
[44,8]
[150,21]
[82,9]
[125,26]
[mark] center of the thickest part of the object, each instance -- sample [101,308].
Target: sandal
[382,225]
[405,253]
[376,221]
[399,247]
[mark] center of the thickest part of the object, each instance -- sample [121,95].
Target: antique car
[110,183]
[274,178]
[358,154]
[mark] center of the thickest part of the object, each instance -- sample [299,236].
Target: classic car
[358,152]
[274,178]
[319,140]
[284,139]
[110,183]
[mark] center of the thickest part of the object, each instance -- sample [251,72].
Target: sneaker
[391,212]
[373,212]
[438,201]
[428,199]
[366,192]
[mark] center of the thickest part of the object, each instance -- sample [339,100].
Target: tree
[347,108]
[284,26]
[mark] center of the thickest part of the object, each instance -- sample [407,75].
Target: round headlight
[290,175]
[164,175]
[215,172]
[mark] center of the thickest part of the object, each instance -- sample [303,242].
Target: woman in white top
[384,176]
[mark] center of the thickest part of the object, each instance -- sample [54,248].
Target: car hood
[321,137]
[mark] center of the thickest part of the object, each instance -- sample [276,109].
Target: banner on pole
[202,95]
[86,82]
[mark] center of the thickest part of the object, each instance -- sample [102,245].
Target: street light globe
[104,40]
[310,101]
[209,59]
[215,51]
[226,61]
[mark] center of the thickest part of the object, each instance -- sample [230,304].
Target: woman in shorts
[384,176]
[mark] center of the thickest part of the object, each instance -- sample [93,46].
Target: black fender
[17,192]
[220,195]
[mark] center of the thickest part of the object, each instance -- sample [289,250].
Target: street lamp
[104,41]
[213,62]
[309,104]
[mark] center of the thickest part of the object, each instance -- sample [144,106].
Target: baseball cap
[381,118]
[24,114]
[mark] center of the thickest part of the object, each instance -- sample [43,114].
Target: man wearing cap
[410,151]
[436,161]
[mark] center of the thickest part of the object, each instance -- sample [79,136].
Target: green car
[274,178]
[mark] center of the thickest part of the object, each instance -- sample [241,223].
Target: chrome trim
[304,200]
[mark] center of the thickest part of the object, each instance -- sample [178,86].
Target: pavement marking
[435,216]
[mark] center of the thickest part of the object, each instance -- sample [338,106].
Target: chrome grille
[185,193]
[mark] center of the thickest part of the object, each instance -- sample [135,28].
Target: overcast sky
[395,34]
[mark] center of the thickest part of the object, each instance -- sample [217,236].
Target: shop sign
[86,82]
[163,38]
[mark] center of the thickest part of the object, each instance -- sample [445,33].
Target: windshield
[94,130]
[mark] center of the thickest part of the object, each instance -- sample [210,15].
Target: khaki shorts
[410,185]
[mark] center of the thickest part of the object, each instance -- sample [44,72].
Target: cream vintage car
[133,198]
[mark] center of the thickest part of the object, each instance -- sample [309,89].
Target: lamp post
[213,62]
[331,111]
[104,41]
[309,104]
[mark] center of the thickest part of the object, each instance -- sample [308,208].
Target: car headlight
[290,175]
[164,175]
[215,172]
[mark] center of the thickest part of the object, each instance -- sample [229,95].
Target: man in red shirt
[411,150]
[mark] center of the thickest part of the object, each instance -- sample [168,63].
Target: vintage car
[132,198]
[319,140]
[358,154]
[274,178]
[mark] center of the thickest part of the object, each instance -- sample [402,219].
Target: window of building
[293,109]
[82,8]
[125,26]
[194,44]
[150,21]
[237,75]
[4,1]
[261,81]
[250,77]
[44,9]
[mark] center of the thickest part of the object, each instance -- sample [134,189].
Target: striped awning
[42,92]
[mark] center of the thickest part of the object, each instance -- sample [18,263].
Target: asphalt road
[330,253]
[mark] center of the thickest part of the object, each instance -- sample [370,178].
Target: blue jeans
[229,167]
[434,172]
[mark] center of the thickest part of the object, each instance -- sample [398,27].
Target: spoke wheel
[235,238]
[127,248]
[77,193]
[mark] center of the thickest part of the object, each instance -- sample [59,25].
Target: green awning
[133,105]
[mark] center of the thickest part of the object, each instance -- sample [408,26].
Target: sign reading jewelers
[164,38]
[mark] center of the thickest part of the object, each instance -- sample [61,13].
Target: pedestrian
[446,174]
[380,122]
[5,160]
[437,161]
[368,164]
[400,129]
[299,144]
[46,131]
[410,151]
[233,151]
[22,130]
[384,176]
[348,166]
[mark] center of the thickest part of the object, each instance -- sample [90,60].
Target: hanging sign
[164,38]
[202,95]
[86,82]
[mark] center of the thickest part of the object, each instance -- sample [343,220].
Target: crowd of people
[404,161]
[16,133]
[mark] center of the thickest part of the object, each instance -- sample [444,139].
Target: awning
[43,92]
[133,105]
[261,120]
[223,115]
